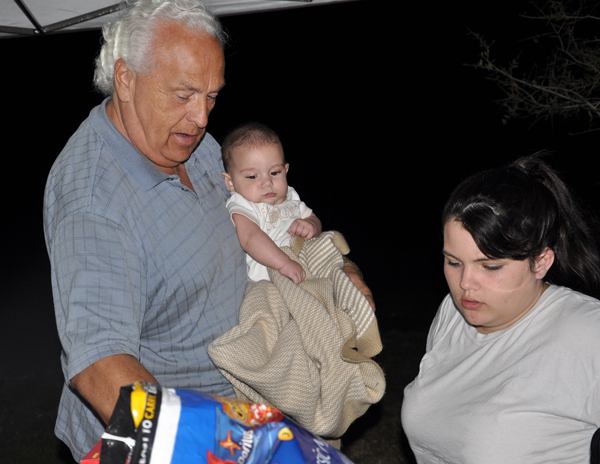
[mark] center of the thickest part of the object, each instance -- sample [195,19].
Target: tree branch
[565,79]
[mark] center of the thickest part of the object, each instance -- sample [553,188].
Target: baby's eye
[251,177]
[274,173]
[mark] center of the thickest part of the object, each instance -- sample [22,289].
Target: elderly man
[146,266]
[147,269]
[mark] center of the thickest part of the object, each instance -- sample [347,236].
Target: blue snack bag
[154,425]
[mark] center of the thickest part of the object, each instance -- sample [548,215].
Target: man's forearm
[100,383]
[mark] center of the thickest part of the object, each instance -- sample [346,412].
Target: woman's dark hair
[518,211]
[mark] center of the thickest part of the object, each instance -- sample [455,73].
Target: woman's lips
[471,304]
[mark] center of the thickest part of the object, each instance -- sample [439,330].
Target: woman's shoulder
[571,313]
[447,320]
[565,298]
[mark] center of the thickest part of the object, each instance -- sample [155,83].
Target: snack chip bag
[155,425]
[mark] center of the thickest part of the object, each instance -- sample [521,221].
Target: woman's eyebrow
[445,253]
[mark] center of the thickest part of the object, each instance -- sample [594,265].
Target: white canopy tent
[38,17]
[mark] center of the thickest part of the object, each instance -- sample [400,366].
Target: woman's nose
[468,279]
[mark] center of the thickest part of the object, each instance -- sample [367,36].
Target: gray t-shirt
[529,393]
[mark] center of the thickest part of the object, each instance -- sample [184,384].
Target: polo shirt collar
[140,168]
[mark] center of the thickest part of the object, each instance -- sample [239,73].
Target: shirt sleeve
[305,211]
[439,321]
[99,290]
[591,412]
[237,204]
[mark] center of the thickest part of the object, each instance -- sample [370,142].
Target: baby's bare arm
[264,250]
[308,227]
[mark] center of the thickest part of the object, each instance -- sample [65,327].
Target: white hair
[130,36]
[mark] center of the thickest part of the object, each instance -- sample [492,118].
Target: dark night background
[379,117]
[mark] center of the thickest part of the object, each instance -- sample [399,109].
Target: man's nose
[199,113]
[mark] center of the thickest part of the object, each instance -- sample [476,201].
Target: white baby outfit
[274,220]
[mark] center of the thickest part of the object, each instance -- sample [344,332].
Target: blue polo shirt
[141,265]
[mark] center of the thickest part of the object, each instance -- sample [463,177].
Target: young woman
[512,368]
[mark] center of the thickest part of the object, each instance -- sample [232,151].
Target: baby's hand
[294,271]
[303,228]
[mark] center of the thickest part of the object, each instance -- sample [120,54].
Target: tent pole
[37,26]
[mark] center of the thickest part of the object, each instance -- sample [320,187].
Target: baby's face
[258,174]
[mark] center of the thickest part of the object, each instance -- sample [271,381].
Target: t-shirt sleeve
[439,321]
[99,290]
[591,411]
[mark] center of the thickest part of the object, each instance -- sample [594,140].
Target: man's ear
[228,181]
[123,79]
[543,263]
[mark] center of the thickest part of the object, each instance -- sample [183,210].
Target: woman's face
[492,294]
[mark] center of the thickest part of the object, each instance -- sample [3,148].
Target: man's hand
[294,271]
[355,275]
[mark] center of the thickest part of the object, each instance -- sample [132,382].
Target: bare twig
[566,81]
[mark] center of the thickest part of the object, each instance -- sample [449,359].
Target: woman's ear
[543,263]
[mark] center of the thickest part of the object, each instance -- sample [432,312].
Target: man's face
[166,110]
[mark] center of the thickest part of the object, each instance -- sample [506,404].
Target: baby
[265,211]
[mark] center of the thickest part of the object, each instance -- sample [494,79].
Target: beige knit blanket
[305,349]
